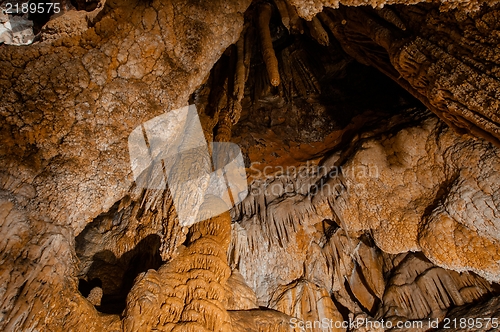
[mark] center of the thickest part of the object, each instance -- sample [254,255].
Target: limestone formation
[429,60]
[267,45]
[419,289]
[82,95]
[307,302]
[371,141]
[240,295]
[485,317]
[187,293]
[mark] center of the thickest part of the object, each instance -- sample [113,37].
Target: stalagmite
[240,295]
[191,286]
[95,296]
[268,54]
[224,125]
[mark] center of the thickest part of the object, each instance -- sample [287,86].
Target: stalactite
[392,17]
[249,41]
[217,98]
[225,105]
[296,26]
[306,76]
[285,17]
[265,11]
[327,21]
[318,33]
[370,263]
[305,300]
[360,289]
[286,73]
[298,82]
[240,59]
[418,288]
[219,75]
[240,78]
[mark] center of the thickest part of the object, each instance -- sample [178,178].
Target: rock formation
[371,142]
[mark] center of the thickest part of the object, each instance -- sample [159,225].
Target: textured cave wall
[445,59]
[69,209]
[412,183]
[351,229]
[67,109]
[308,9]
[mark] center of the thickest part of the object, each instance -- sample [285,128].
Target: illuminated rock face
[363,204]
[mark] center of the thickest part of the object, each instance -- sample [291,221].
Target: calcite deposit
[371,142]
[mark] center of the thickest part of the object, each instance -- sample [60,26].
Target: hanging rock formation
[432,58]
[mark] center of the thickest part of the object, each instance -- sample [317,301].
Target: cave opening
[115,275]
[322,89]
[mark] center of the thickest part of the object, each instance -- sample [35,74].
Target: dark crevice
[84,286]
[344,311]
[116,275]
[352,296]
[87,5]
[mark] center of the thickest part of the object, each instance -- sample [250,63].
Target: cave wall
[69,103]
[67,110]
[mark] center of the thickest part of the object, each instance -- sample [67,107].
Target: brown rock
[390,213]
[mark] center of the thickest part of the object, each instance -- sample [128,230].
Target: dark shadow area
[328,228]
[116,275]
[84,286]
[87,5]
[322,90]
[344,311]
[44,10]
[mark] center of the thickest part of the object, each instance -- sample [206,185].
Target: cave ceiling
[360,143]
